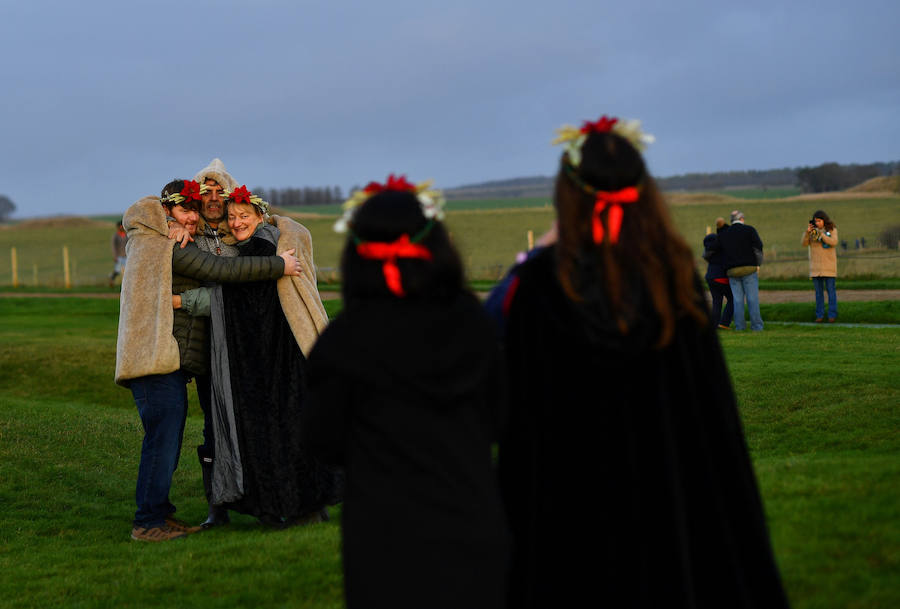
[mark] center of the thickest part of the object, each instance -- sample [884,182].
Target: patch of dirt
[59,222]
[698,198]
[779,296]
[765,296]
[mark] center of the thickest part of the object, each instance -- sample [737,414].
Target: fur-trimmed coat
[145,343]
[299,296]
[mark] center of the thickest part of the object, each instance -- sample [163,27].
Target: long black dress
[625,472]
[259,449]
[408,395]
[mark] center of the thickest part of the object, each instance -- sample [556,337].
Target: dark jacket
[737,245]
[712,253]
[190,267]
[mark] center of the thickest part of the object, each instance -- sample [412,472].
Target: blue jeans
[828,284]
[161,401]
[746,287]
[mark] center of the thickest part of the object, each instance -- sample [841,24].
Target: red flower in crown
[398,183]
[241,195]
[603,125]
[191,191]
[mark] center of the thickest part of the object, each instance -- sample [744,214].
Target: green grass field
[819,405]
[489,233]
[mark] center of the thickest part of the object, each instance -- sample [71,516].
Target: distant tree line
[825,177]
[822,178]
[296,197]
[725,179]
[832,176]
[7,207]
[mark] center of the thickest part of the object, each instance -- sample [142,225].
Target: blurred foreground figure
[406,386]
[624,470]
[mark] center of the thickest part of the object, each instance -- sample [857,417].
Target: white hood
[216,171]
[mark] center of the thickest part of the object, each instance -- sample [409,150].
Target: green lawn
[819,405]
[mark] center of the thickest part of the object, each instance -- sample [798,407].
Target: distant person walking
[717,278]
[742,249]
[119,239]
[821,237]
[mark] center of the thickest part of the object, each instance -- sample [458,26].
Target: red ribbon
[616,199]
[241,195]
[389,252]
[191,191]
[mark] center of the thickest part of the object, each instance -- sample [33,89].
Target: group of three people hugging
[574,439]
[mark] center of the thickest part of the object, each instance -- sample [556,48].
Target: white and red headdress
[432,204]
[573,138]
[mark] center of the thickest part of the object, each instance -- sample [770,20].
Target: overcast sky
[102,102]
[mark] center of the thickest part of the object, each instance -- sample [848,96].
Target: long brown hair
[826,221]
[649,249]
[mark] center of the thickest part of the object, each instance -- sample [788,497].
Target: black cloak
[270,475]
[625,473]
[408,395]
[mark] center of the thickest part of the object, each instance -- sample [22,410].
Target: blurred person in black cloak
[618,384]
[407,392]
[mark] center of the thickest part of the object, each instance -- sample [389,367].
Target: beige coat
[145,343]
[299,296]
[822,260]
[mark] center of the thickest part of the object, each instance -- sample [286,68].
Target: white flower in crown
[430,200]
[574,137]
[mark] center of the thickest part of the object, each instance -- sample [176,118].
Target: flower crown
[430,200]
[574,138]
[191,192]
[242,195]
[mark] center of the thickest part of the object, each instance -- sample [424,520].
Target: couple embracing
[214,303]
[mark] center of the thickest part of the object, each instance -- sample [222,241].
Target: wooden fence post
[68,279]
[15,268]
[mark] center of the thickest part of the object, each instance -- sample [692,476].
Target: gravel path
[765,296]
[777,296]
